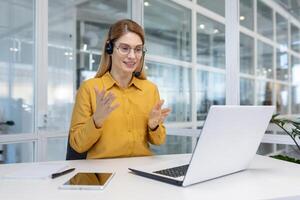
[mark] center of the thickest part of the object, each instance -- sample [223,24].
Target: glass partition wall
[185,58]
[17,82]
[76,33]
[47,49]
[269,41]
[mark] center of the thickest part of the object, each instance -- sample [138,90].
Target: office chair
[74,155]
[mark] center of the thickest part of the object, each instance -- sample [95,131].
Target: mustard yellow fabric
[125,132]
[90,178]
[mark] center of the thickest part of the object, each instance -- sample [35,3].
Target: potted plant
[292,128]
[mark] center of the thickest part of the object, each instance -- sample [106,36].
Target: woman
[118,112]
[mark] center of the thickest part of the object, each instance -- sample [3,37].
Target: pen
[55,175]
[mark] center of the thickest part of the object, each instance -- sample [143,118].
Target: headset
[109,49]
[137,74]
[109,46]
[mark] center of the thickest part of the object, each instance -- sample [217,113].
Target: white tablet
[88,181]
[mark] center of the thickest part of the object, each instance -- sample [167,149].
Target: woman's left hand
[158,115]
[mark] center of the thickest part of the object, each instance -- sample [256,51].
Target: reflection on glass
[174,145]
[296,84]
[95,61]
[282,66]
[60,88]
[282,98]
[16,153]
[92,34]
[210,42]
[265,93]
[264,60]
[88,61]
[295,38]
[281,30]
[61,65]
[89,179]
[88,65]
[89,40]
[295,70]
[210,91]
[168,30]
[246,91]
[246,14]
[174,84]
[246,54]
[264,20]
[296,99]
[93,20]
[17,65]
[76,33]
[217,6]
[56,149]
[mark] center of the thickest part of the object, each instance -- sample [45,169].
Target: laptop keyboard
[174,172]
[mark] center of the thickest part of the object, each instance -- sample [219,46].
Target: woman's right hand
[104,100]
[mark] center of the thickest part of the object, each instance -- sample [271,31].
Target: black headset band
[109,46]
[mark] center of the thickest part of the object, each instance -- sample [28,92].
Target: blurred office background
[48,47]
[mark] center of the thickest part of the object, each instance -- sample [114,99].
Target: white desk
[266,178]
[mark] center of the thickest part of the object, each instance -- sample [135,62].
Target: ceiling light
[202,26]
[146,3]
[13,49]
[242,17]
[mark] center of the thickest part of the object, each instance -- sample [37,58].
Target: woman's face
[127,54]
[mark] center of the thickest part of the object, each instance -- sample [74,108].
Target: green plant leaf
[293,132]
[296,125]
[297,131]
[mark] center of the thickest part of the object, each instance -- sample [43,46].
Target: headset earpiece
[109,48]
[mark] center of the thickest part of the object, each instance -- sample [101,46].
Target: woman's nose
[131,53]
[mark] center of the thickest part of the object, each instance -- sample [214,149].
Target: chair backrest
[74,155]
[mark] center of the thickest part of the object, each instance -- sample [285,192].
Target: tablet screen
[88,180]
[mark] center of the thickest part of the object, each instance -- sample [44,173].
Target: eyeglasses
[125,49]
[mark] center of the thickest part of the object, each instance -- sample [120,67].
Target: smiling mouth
[129,64]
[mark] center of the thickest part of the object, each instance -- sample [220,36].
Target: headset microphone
[137,74]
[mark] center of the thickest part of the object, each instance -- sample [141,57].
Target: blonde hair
[116,31]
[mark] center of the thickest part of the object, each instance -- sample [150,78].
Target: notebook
[228,142]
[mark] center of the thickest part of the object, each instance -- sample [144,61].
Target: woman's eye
[138,50]
[125,48]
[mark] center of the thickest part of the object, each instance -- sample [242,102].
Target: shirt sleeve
[158,136]
[83,132]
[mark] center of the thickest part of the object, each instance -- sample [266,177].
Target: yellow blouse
[125,132]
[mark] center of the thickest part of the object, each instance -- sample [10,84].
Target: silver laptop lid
[228,142]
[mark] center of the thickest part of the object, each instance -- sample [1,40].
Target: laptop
[228,142]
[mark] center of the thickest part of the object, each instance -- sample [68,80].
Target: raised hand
[158,115]
[104,100]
